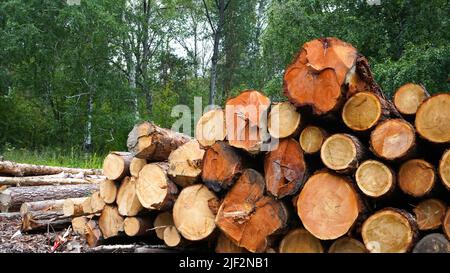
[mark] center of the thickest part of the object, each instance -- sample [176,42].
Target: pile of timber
[338,167]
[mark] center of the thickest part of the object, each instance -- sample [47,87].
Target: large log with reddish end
[222,164]
[389,230]
[285,168]
[432,119]
[408,98]
[148,141]
[247,216]
[300,241]
[328,205]
[444,169]
[20,169]
[211,127]
[116,165]
[430,214]
[416,177]
[185,163]
[375,179]
[12,198]
[284,120]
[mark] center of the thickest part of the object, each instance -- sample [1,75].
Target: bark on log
[12,198]
[185,163]
[300,241]
[312,138]
[46,205]
[444,169]
[128,203]
[284,120]
[42,181]
[342,153]
[154,189]
[432,243]
[136,166]
[432,119]
[117,165]
[225,245]
[393,139]
[416,177]
[19,169]
[149,141]
[430,214]
[110,222]
[328,205]
[108,190]
[285,169]
[389,231]
[191,214]
[132,249]
[161,222]
[375,179]
[408,98]
[211,127]
[247,216]
[8,216]
[137,226]
[222,164]
[347,245]
[41,220]
[74,207]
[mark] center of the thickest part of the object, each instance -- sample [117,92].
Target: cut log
[154,189]
[137,226]
[161,222]
[136,166]
[172,237]
[300,241]
[444,169]
[97,203]
[284,120]
[128,203]
[46,205]
[393,139]
[86,207]
[110,222]
[222,165]
[43,220]
[246,120]
[12,198]
[211,127]
[389,231]
[19,169]
[134,248]
[225,245]
[375,179]
[285,169]
[191,214]
[74,207]
[328,205]
[117,165]
[408,98]
[247,216]
[432,119]
[432,243]
[347,245]
[79,225]
[311,139]
[10,216]
[93,233]
[42,180]
[446,223]
[416,177]
[364,110]
[149,141]
[108,191]
[185,163]
[342,153]
[430,214]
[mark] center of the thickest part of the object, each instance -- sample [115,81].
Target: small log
[161,222]
[328,205]
[117,165]
[375,179]
[185,163]
[284,120]
[342,153]
[285,169]
[247,216]
[127,201]
[300,241]
[347,245]
[211,127]
[137,226]
[74,206]
[149,141]
[46,205]
[393,139]
[12,198]
[446,223]
[225,245]
[136,166]
[172,237]
[93,233]
[408,98]
[432,119]
[416,177]
[430,214]
[42,180]
[312,138]
[432,243]
[389,231]
[19,169]
[154,189]
[444,169]
[41,220]
[110,222]
[97,203]
[222,164]
[86,207]
[108,190]
[79,224]
[191,214]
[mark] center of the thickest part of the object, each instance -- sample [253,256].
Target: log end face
[444,169]
[311,139]
[392,139]
[432,118]
[300,241]
[374,178]
[408,98]
[416,177]
[338,152]
[362,111]
[283,120]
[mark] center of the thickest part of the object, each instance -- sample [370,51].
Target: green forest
[76,75]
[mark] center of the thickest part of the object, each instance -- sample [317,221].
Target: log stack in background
[336,168]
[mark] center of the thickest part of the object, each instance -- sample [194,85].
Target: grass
[54,157]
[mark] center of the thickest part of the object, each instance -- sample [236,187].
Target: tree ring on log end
[416,177]
[338,152]
[408,98]
[300,241]
[374,178]
[444,169]
[392,139]
[311,139]
[361,111]
[433,119]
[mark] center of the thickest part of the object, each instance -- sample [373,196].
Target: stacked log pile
[338,167]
